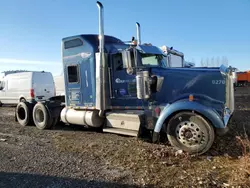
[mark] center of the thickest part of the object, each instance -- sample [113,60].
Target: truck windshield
[154,60]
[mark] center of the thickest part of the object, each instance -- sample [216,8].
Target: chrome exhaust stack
[101,27]
[138,31]
[101,68]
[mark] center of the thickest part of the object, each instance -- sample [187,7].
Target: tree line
[214,62]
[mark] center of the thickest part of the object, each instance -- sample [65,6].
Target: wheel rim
[39,116]
[190,134]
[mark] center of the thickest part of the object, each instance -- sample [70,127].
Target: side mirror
[127,61]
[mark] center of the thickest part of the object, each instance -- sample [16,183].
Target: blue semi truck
[127,88]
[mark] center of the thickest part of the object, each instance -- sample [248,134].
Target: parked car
[26,86]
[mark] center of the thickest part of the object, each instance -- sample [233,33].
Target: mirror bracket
[127,61]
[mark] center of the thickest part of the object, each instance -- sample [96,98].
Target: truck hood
[181,82]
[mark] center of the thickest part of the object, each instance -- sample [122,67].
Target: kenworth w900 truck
[126,88]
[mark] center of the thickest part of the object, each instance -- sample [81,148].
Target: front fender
[207,112]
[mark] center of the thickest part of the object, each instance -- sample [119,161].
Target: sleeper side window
[73,43]
[73,74]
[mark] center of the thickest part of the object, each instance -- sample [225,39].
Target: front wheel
[190,132]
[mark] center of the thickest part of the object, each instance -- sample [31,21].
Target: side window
[117,62]
[73,43]
[73,74]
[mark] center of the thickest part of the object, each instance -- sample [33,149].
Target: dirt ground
[71,156]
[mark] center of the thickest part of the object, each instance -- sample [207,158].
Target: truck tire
[42,117]
[22,100]
[190,132]
[23,113]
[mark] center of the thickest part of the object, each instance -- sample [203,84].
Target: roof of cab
[93,38]
[94,41]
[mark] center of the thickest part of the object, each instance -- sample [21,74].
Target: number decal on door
[218,81]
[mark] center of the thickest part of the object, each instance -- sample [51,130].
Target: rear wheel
[190,132]
[23,114]
[42,117]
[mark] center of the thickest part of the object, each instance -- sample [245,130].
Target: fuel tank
[81,117]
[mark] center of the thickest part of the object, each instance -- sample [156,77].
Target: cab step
[121,131]
[127,122]
[127,119]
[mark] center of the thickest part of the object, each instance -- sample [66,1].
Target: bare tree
[224,61]
[202,62]
[193,60]
[218,61]
[212,62]
[207,62]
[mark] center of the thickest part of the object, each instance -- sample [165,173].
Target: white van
[26,86]
[59,84]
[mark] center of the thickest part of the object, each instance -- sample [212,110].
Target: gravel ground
[71,156]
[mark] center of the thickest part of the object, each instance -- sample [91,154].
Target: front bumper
[227,116]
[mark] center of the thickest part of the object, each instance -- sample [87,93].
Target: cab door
[123,84]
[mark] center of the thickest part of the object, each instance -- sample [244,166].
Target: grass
[226,164]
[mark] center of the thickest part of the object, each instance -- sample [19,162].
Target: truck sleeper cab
[128,89]
[142,93]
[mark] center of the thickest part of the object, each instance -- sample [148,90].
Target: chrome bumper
[227,116]
[230,92]
[228,73]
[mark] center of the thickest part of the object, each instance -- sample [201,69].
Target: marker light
[191,97]
[134,42]
[157,111]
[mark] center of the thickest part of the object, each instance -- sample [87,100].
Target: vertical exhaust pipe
[101,27]
[101,67]
[138,30]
